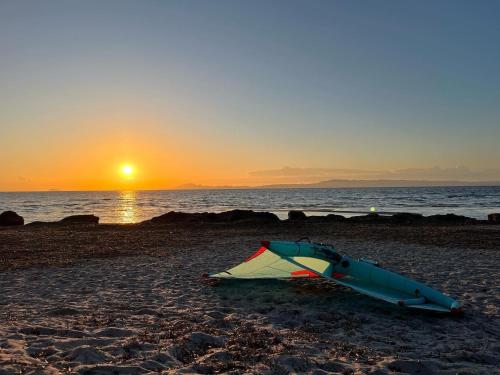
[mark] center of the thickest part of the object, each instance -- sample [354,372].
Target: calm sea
[135,206]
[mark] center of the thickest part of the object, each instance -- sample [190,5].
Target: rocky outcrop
[398,218]
[370,218]
[334,217]
[296,215]
[449,219]
[10,218]
[246,216]
[330,218]
[80,219]
[255,217]
[234,216]
[494,218]
[407,218]
[183,217]
[300,216]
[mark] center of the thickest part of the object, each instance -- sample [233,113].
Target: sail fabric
[364,277]
[264,264]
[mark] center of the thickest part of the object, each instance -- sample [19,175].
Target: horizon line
[445,183]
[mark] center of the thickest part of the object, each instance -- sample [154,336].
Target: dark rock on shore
[449,219]
[330,218]
[296,215]
[72,220]
[406,218]
[184,217]
[246,215]
[10,218]
[494,218]
[334,217]
[234,216]
[370,218]
[80,219]
[249,216]
[299,216]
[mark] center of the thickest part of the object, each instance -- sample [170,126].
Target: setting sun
[127,170]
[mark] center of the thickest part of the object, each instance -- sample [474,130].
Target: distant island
[339,183]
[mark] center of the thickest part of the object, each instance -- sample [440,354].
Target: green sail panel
[265,264]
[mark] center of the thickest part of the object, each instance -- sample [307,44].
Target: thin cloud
[309,172]
[458,173]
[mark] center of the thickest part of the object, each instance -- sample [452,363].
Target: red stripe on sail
[338,275]
[304,273]
[256,254]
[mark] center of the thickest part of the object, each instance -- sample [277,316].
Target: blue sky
[240,86]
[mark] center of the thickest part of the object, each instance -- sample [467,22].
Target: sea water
[136,206]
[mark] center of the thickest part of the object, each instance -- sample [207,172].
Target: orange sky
[166,152]
[89,155]
[222,93]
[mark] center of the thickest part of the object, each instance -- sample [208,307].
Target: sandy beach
[249,187]
[130,299]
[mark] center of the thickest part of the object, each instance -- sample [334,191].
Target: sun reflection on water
[127,206]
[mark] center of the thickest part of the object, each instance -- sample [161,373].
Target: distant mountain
[382,183]
[351,184]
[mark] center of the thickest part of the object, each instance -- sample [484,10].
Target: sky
[236,92]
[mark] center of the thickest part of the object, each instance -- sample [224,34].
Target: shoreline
[138,206]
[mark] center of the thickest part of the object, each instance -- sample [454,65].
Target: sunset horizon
[192,93]
[127,177]
[249,187]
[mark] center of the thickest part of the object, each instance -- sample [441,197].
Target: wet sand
[130,299]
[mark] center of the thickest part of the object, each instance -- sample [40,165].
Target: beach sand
[111,299]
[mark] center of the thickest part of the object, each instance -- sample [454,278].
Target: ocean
[136,206]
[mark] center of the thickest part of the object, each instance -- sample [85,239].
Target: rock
[370,218]
[41,223]
[334,217]
[234,216]
[246,216]
[330,218]
[296,215]
[450,219]
[10,218]
[183,217]
[406,218]
[80,219]
[494,218]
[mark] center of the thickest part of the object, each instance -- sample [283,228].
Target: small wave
[465,201]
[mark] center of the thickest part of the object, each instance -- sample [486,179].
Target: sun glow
[127,170]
